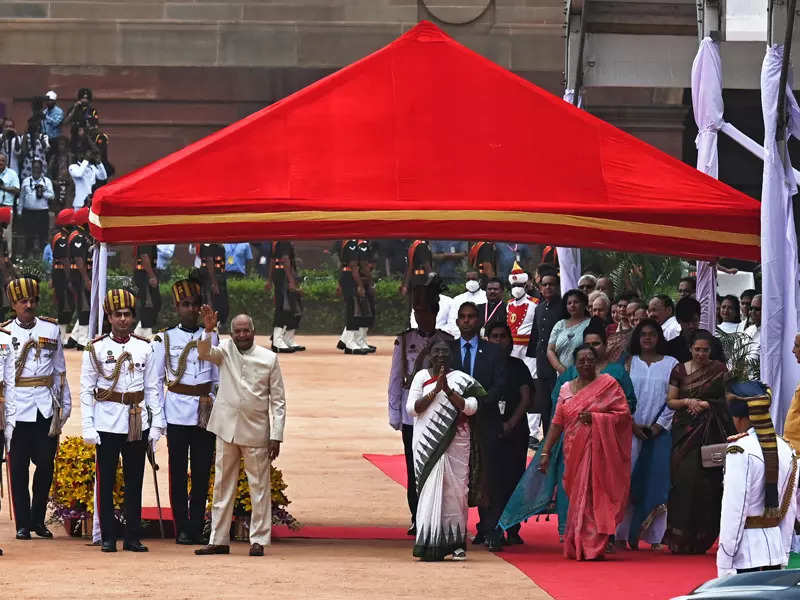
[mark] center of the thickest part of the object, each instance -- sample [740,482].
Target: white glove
[155,435]
[64,419]
[91,437]
[9,433]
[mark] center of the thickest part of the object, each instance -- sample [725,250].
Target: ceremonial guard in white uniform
[411,354]
[520,311]
[759,492]
[43,405]
[8,405]
[186,404]
[121,411]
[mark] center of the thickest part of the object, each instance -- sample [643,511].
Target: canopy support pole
[99,271]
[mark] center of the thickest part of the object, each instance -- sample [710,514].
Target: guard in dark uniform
[59,244]
[366,264]
[288,303]
[483,259]
[353,294]
[148,296]
[80,277]
[419,265]
[211,276]
[6,268]
[411,354]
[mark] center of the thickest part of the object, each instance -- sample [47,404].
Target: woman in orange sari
[593,414]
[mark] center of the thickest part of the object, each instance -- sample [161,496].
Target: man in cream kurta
[250,391]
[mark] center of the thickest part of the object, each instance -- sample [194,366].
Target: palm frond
[739,349]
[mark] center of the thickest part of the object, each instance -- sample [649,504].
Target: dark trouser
[349,297]
[542,403]
[36,225]
[490,514]
[81,297]
[30,444]
[288,305]
[181,440]
[219,302]
[512,455]
[148,300]
[368,317]
[411,489]
[133,457]
[63,298]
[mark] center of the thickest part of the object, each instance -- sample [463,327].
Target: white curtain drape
[569,259]
[99,269]
[779,318]
[708,109]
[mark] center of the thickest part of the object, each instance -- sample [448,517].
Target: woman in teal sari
[543,493]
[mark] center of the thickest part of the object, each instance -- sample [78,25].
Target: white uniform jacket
[519,318]
[43,359]
[180,409]
[250,392]
[9,404]
[743,496]
[137,374]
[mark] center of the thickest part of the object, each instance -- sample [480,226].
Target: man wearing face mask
[473,294]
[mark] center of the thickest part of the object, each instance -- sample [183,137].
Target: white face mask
[518,291]
[472,286]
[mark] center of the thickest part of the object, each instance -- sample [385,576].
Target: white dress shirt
[43,360]
[137,375]
[180,409]
[742,497]
[442,317]
[30,200]
[9,393]
[85,175]
[671,328]
[10,179]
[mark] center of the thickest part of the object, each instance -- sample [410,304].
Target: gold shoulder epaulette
[139,337]
[157,338]
[99,337]
[5,331]
[738,436]
[734,449]
[5,323]
[50,320]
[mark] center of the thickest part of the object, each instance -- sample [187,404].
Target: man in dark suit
[486,363]
[495,308]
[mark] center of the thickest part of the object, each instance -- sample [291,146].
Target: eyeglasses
[547,284]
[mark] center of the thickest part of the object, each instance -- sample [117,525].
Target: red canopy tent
[425,138]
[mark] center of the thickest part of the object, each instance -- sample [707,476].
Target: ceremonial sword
[151,457]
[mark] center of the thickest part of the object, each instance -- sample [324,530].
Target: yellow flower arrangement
[72,492]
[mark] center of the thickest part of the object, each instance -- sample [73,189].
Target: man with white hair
[587,283]
[247,417]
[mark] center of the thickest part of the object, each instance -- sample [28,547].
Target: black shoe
[79,348]
[496,542]
[43,532]
[184,539]
[136,546]
[24,533]
[514,539]
[371,349]
[356,351]
[479,539]
[71,343]
[109,547]
[412,530]
[277,350]
[298,348]
[340,345]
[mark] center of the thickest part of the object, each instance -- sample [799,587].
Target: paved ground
[336,412]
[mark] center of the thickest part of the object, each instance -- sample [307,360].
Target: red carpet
[640,575]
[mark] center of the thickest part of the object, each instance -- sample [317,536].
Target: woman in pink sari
[594,416]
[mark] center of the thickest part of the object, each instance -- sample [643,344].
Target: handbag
[712,456]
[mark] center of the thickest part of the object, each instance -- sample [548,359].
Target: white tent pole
[99,271]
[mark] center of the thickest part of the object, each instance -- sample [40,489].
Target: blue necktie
[468,357]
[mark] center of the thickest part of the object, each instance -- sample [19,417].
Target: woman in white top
[650,369]
[729,311]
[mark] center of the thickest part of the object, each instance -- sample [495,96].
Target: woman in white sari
[440,400]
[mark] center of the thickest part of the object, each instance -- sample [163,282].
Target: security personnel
[80,276]
[212,279]
[43,405]
[366,266]
[120,414]
[483,259]
[354,295]
[6,268]
[411,353]
[61,267]
[288,302]
[759,488]
[519,316]
[8,403]
[148,296]
[191,384]
[419,265]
